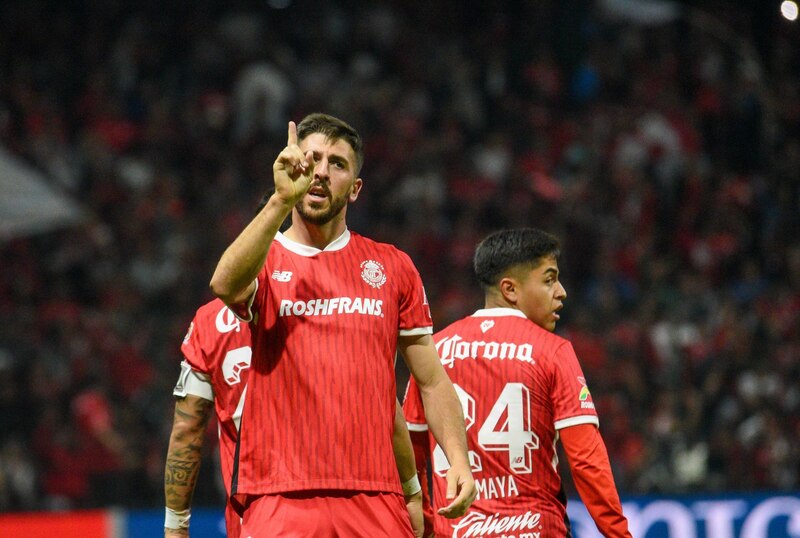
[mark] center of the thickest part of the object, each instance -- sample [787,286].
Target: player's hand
[414,507]
[292,171]
[461,491]
[176,533]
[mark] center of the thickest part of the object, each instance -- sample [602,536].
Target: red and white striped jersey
[319,409]
[518,385]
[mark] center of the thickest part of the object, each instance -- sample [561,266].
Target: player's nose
[561,292]
[321,169]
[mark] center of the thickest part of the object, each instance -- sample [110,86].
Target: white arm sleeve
[194,383]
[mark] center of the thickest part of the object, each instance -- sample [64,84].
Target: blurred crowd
[663,151]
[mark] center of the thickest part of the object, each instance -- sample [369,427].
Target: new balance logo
[282,276]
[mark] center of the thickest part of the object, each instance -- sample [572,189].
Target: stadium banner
[205,523]
[99,523]
[774,515]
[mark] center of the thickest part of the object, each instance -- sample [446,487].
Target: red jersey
[217,347]
[518,384]
[319,410]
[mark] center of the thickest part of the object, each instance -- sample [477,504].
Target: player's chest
[334,286]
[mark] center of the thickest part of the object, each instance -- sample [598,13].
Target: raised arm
[234,278]
[445,419]
[183,461]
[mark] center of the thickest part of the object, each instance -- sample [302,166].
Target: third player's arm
[591,473]
[184,454]
[407,469]
[445,419]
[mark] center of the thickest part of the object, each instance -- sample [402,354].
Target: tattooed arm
[183,455]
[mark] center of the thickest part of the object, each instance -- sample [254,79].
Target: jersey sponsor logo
[455,348]
[373,273]
[486,325]
[584,395]
[334,305]
[527,525]
[188,333]
[226,321]
[236,360]
[493,487]
[281,276]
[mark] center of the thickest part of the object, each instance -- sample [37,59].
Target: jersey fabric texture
[518,384]
[319,409]
[327,515]
[217,350]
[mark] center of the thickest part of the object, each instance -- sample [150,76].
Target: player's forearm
[442,408]
[591,473]
[403,450]
[445,418]
[185,451]
[243,259]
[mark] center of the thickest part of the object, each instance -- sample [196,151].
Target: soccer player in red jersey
[217,356]
[213,379]
[329,309]
[522,389]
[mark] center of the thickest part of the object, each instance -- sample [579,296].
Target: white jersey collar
[497,312]
[305,250]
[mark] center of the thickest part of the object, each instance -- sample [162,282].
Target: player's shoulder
[379,248]
[214,318]
[508,321]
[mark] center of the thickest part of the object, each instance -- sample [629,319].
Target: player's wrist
[411,486]
[283,202]
[177,519]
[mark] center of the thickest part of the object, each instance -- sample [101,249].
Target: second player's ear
[508,289]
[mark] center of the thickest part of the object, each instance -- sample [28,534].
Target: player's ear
[509,288]
[355,189]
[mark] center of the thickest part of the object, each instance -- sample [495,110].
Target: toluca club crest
[372,273]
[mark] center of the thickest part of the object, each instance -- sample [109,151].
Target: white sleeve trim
[416,331]
[412,427]
[574,421]
[193,382]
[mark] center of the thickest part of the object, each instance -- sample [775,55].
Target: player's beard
[322,215]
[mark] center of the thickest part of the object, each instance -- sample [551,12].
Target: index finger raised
[292,134]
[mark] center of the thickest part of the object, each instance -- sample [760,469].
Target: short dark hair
[504,250]
[334,129]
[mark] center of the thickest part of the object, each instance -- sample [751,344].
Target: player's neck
[313,235]
[497,301]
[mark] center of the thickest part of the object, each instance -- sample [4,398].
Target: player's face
[335,183]
[541,295]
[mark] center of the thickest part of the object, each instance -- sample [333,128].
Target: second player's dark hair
[501,251]
[334,129]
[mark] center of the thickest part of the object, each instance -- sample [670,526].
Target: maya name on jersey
[454,348]
[493,487]
[331,306]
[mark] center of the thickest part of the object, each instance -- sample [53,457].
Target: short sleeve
[415,312]
[572,401]
[413,410]
[192,347]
